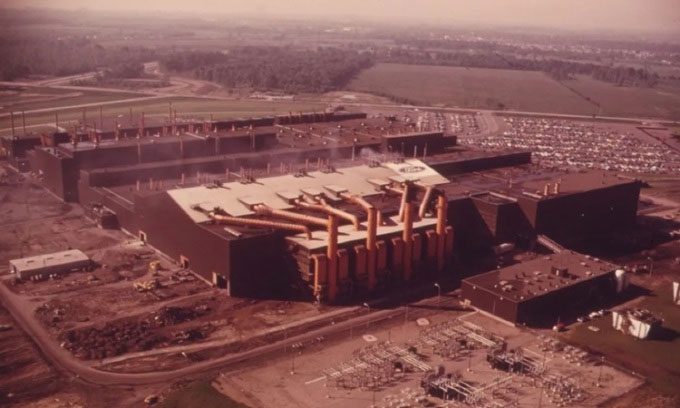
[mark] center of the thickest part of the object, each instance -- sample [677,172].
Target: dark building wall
[420,143]
[571,218]
[125,212]
[169,229]
[489,302]
[59,173]
[263,267]
[472,236]
[571,300]
[458,166]
[17,147]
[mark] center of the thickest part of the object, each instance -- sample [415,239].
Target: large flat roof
[536,278]
[235,198]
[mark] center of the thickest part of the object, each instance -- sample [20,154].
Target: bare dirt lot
[23,373]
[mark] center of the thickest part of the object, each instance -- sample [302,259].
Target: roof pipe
[249,222]
[404,198]
[307,219]
[323,206]
[372,221]
[426,200]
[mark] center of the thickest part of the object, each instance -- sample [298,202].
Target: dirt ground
[100,314]
[23,372]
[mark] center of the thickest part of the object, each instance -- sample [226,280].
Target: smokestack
[441,230]
[556,188]
[371,234]
[546,189]
[407,237]
[332,255]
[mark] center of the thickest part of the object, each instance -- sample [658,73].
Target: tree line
[24,56]
[273,68]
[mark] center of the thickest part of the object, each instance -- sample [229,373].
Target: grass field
[658,360]
[516,90]
[472,88]
[19,99]
[662,101]
[199,395]
[183,105]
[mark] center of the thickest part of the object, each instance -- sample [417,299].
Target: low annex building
[42,266]
[540,290]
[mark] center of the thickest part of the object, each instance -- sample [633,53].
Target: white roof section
[235,198]
[55,259]
[347,233]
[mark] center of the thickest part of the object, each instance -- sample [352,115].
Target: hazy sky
[663,15]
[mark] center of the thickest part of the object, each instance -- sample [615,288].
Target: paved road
[23,313]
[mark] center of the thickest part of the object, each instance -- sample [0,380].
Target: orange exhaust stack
[332,255]
[408,241]
[371,234]
[441,231]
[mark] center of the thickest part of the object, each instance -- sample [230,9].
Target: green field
[516,90]
[658,360]
[199,395]
[472,88]
[183,105]
[662,101]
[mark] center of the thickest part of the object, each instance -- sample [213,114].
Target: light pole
[368,321]
[439,294]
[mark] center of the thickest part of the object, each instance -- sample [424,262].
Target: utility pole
[368,321]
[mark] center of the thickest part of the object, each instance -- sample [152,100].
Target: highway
[66,362]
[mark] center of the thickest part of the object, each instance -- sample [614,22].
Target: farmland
[516,90]
[662,101]
[471,88]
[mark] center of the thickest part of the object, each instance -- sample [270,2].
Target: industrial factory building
[334,205]
[541,290]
